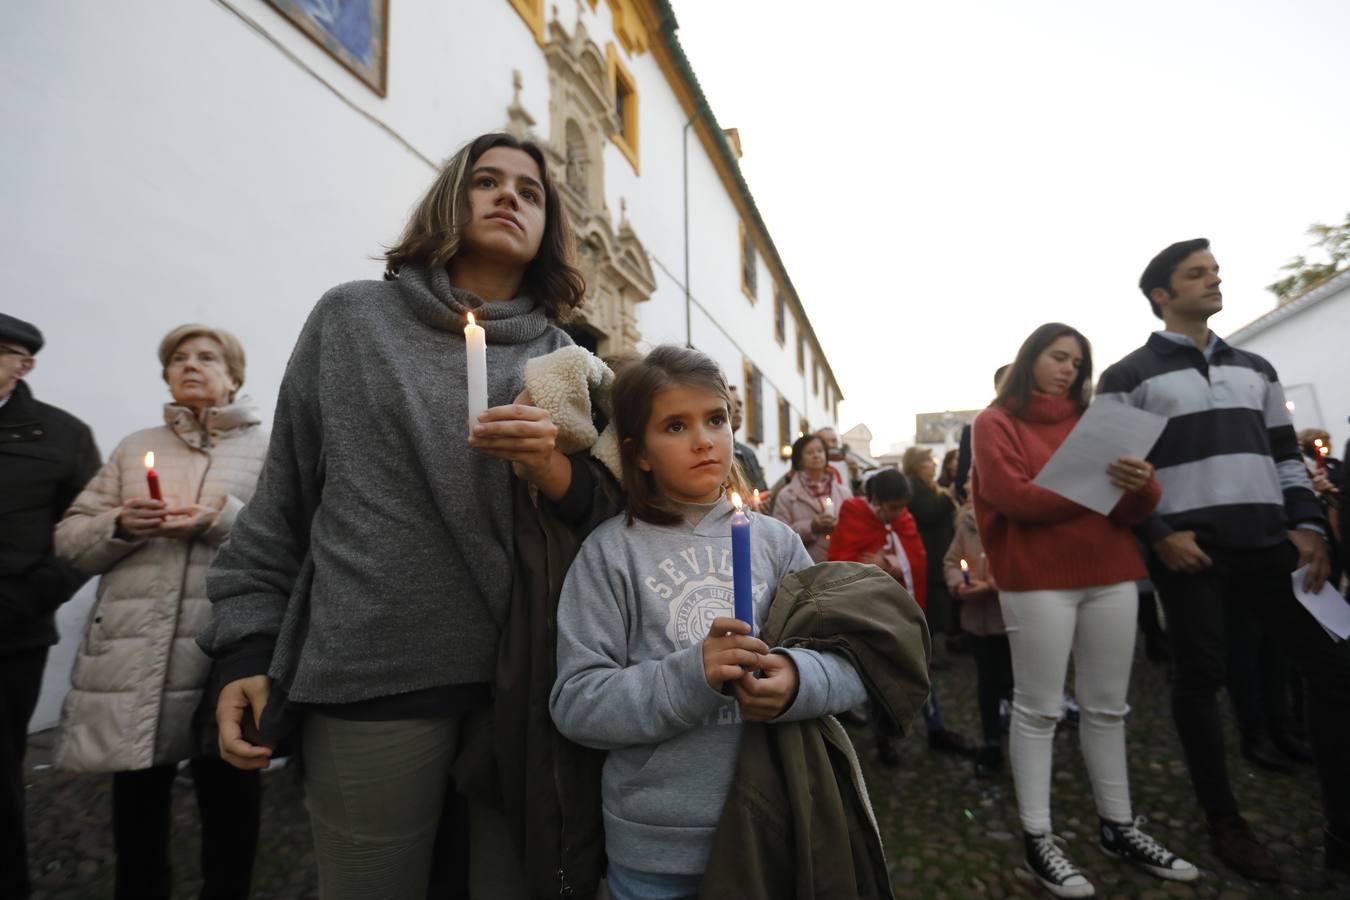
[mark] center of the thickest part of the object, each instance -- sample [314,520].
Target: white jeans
[1097,624]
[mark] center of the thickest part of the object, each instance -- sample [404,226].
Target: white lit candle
[475,360]
[827,506]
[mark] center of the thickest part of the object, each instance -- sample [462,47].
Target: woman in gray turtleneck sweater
[367,581]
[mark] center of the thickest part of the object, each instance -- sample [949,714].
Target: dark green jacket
[798,821]
[549,787]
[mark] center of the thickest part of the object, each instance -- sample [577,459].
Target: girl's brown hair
[431,237]
[637,383]
[1014,392]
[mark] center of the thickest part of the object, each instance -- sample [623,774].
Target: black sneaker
[1052,868]
[1124,840]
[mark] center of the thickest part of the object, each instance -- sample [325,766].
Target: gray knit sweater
[377,549]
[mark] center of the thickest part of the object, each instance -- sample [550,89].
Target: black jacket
[46,458]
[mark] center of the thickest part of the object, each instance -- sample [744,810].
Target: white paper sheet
[1106,432]
[1327,606]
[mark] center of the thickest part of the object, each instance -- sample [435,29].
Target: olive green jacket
[512,757]
[798,821]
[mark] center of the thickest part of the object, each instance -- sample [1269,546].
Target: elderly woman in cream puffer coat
[139,675]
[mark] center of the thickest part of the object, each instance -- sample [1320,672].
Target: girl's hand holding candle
[729,651]
[965,572]
[765,694]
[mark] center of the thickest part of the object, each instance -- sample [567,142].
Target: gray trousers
[375,792]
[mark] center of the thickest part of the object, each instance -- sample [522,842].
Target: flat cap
[17,331]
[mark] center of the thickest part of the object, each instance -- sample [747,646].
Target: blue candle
[740,564]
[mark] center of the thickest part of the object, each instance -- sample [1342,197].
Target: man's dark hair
[886,486]
[1158,273]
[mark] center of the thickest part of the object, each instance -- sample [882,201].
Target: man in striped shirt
[1237,515]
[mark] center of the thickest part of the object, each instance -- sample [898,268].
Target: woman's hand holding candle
[526,437]
[185,523]
[140,518]
[727,648]
[764,695]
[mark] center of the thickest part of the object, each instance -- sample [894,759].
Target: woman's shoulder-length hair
[432,236]
[1014,391]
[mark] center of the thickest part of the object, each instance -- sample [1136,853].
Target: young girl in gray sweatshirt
[652,665]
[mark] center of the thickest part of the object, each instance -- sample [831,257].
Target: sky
[942,177]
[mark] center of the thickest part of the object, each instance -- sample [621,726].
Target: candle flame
[471,321]
[150,459]
[736,500]
[756,497]
[965,566]
[1324,450]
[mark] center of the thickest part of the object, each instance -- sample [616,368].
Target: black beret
[19,332]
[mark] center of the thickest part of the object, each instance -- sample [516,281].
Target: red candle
[151,477]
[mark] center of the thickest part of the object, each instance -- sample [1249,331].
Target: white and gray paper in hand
[1106,432]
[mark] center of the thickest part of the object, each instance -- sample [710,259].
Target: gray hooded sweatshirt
[634,611]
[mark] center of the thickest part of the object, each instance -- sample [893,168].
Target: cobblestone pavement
[947,833]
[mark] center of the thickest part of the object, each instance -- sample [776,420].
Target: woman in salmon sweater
[1066,585]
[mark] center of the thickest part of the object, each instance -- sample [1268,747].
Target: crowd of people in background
[380,585]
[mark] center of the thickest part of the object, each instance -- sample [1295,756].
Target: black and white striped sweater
[1228,461]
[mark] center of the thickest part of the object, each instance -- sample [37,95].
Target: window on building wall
[779,315]
[749,264]
[815,378]
[801,347]
[753,413]
[785,436]
[624,86]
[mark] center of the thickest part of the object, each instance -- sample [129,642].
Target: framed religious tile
[354,32]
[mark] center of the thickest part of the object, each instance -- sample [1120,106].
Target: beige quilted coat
[138,673]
